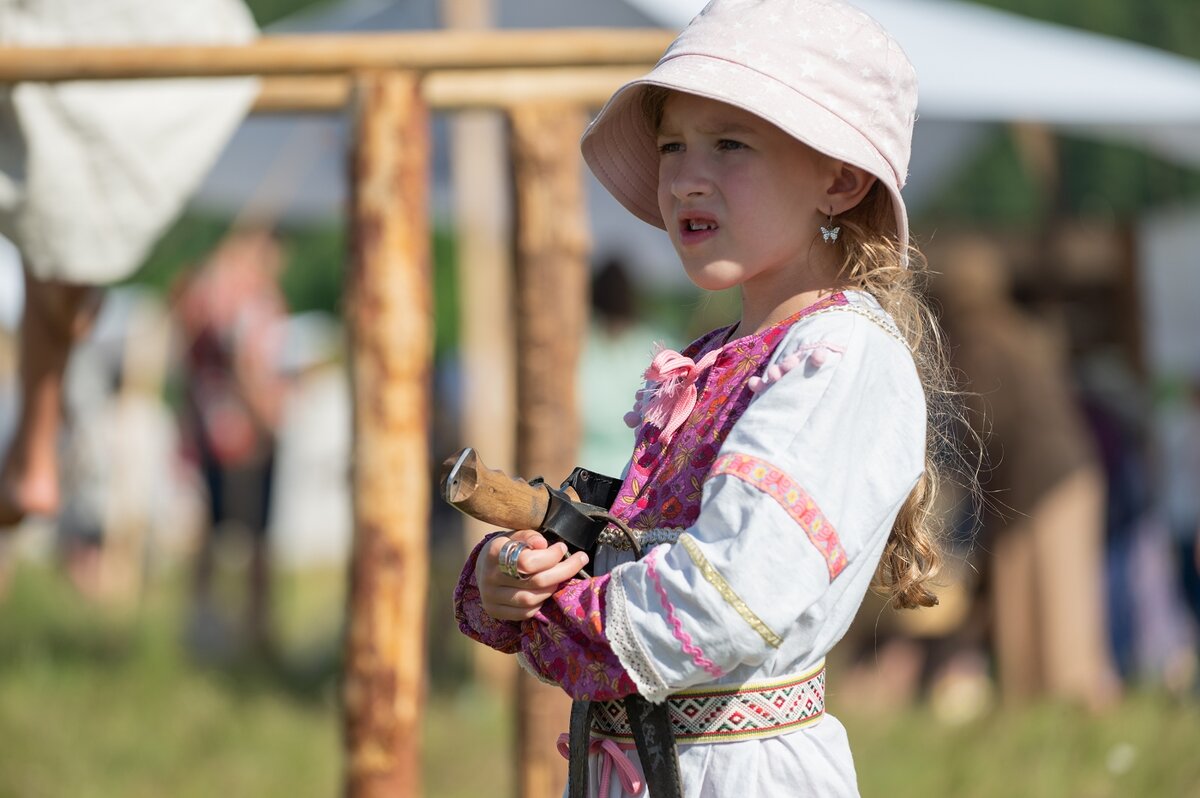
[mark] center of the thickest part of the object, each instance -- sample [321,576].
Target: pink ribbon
[674,397]
[631,781]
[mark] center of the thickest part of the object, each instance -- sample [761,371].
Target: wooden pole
[483,231]
[453,89]
[389,313]
[551,292]
[331,53]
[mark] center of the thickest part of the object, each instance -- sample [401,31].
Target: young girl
[782,464]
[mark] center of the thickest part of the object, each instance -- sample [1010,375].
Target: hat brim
[621,148]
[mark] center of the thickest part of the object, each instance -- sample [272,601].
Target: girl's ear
[850,184]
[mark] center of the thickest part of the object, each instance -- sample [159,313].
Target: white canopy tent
[977,67]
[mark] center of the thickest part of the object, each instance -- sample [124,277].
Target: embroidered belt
[728,713]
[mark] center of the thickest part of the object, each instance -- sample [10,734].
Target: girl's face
[742,200]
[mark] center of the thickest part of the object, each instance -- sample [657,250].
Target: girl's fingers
[530,537]
[518,600]
[514,604]
[532,562]
[559,572]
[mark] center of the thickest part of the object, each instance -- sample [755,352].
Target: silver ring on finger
[509,553]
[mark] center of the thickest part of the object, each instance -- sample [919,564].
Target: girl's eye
[669,147]
[730,144]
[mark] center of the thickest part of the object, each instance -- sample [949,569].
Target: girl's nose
[691,179]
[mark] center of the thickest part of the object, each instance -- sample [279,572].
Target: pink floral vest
[663,486]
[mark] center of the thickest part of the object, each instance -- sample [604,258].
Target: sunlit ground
[104,703]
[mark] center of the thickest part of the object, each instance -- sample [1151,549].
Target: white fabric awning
[979,64]
[977,67]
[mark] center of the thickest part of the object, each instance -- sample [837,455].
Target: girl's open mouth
[695,229]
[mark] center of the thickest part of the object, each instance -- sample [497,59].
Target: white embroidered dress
[793,518]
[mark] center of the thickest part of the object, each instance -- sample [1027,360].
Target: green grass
[105,704]
[1148,746]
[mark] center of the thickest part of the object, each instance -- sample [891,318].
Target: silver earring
[830,233]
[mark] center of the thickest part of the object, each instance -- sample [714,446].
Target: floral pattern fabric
[566,642]
[664,484]
[473,620]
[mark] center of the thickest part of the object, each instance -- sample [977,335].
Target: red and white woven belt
[714,714]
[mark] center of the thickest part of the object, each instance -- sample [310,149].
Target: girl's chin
[715,275]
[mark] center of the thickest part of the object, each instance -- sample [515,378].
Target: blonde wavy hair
[873,261]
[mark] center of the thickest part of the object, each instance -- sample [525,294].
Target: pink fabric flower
[674,397]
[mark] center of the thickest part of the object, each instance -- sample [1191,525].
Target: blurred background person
[232,319]
[1041,550]
[129,503]
[1179,485]
[91,173]
[1117,417]
[615,354]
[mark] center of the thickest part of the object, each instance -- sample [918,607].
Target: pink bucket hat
[820,70]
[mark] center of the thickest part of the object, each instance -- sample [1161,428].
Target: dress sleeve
[798,503]
[563,644]
[472,619]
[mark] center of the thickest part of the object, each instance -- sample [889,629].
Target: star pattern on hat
[821,70]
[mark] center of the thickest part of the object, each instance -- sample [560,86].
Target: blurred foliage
[1169,24]
[316,257]
[267,11]
[1097,179]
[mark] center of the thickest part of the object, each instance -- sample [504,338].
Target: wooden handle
[492,496]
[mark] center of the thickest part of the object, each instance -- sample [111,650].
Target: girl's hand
[544,569]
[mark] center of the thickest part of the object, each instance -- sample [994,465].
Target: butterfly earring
[829,234]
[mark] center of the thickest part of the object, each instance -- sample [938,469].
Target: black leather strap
[581,739]
[656,748]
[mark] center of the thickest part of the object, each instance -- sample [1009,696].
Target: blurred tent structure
[292,167]
[981,65]
[978,67]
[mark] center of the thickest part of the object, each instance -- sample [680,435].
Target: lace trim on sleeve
[626,646]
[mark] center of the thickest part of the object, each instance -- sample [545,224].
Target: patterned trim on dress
[615,539]
[882,322]
[732,598]
[683,637]
[724,714]
[791,497]
[624,642]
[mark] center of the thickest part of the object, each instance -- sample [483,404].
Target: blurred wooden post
[551,292]
[483,233]
[389,313]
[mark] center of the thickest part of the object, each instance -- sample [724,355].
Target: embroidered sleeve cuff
[472,619]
